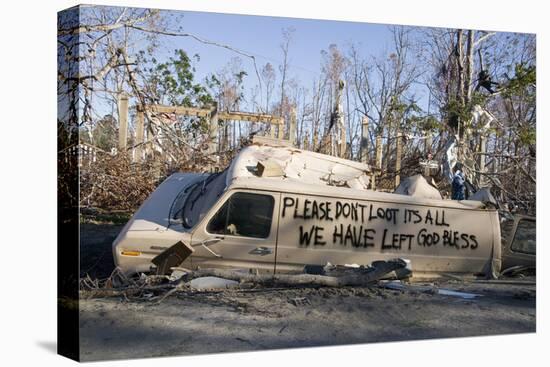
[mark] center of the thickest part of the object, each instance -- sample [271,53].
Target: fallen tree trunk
[347,277]
[127,291]
[355,278]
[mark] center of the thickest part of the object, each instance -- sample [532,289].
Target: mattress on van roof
[301,165]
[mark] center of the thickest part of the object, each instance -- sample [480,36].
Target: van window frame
[226,201]
[516,227]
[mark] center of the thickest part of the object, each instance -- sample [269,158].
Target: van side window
[525,237]
[244,214]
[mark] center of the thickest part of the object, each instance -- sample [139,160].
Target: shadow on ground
[96,256]
[48,345]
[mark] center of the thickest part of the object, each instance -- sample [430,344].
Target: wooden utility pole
[378,159]
[379,151]
[122,121]
[365,140]
[469,66]
[398,153]
[306,141]
[343,144]
[428,143]
[482,151]
[139,134]
[213,131]
[340,119]
[292,128]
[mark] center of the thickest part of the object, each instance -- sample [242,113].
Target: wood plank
[292,128]
[251,117]
[139,135]
[205,112]
[122,122]
[213,133]
[365,140]
[180,110]
[398,153]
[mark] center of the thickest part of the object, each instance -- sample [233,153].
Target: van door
[239,231]
[520,249]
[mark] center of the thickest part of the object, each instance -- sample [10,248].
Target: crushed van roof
[313,173]
[301,166]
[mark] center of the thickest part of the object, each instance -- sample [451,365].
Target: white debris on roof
[484,195]
[301,166]
[417,186]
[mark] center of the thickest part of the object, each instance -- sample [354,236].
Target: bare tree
[381,85]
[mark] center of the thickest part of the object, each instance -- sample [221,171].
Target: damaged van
[278,209]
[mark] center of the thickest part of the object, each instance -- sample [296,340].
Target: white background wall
[28,180]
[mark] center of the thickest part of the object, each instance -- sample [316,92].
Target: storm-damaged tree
[268,76]
[511,157]
[382,86]
[333,64]
[111,51]
[472,77]
[173,83]
[227,87]
[104,52]
[284,106]
[114,49]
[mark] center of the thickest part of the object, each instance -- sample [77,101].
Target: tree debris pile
[480,86]
[117,183]
[158,287]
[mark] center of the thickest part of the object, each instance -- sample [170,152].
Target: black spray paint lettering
[311,210]
[287,203]
[427,239]
[356,236]
[439,218]
[315,233]
[459,240]
[389,214]
[396,241]
[354,210]
[360,236]
[411,216]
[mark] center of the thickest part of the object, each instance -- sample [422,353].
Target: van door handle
[209,242]
[261,251]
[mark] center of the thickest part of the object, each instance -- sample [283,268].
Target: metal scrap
[397,285]
[300,301]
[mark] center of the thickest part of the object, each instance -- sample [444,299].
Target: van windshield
[199,198]
[525,237]
[244,214]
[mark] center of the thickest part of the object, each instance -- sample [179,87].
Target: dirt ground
[96,257]
[245,320]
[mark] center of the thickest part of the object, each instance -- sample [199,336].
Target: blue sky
[262,36]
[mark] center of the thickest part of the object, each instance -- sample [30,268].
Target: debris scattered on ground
[397,285]
[299,301]
[172,257]
[518,271]
[506,282]
[177,274]
[160,286]
[209,282]
[336,276]
[524,294]
[450,292]
[385,274]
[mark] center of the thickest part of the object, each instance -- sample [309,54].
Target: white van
[279,208]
